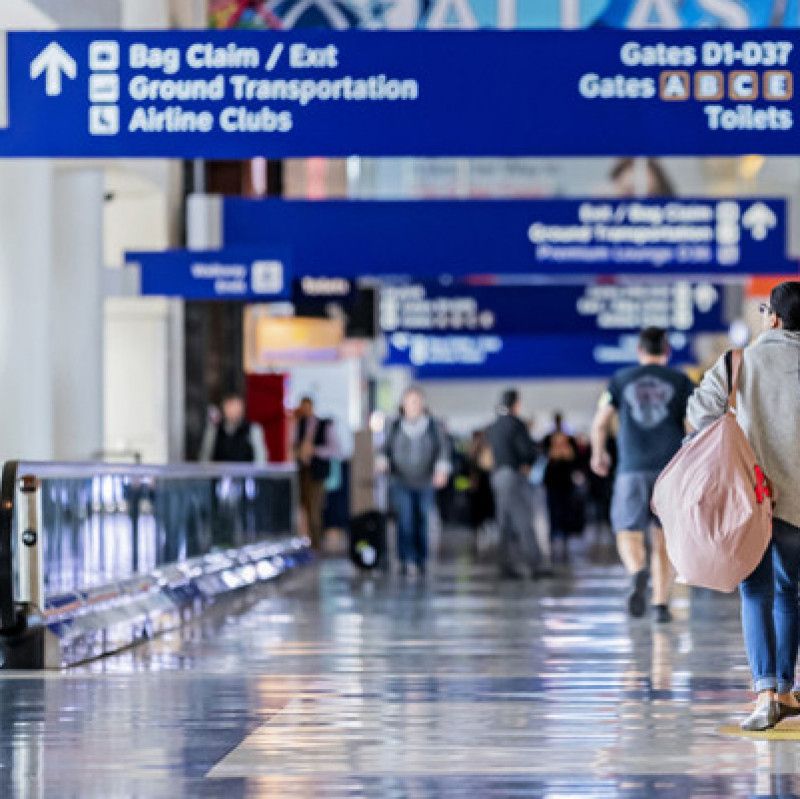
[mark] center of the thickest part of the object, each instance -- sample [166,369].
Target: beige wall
[143,383]
[470,404]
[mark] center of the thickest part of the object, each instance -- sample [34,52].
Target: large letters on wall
[436,14]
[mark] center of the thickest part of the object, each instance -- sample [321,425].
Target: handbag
[714,502]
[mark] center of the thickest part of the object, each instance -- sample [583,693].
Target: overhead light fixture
[750,166]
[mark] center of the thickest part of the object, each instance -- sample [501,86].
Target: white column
[570,14]
[3,79]
[204,221]
[507,14]
[26,407]
[76,315]
[144,372]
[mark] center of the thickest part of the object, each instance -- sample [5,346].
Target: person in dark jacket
[513,452]
[563,503]
[230,437]
[417,455]
[479,470]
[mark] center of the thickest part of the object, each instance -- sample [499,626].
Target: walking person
[768,410]
[564,505]
[650,402]
[315,445]
[513,453]
[481,497]
[416,455]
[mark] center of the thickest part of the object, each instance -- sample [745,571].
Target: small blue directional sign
[594,308]
[236,274]
[332,93]
[487,356]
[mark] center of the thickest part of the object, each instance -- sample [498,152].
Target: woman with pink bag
[768,410]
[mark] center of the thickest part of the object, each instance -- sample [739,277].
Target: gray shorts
[630,503]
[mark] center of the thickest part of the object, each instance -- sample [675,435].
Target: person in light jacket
[768,410]
[417,456]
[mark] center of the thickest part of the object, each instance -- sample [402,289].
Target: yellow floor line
[783,732]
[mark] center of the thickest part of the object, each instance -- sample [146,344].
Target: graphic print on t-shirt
[649,398]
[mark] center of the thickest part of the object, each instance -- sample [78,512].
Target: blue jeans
[412,506]
[770,611]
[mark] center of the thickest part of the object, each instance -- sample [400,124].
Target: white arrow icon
[759,219]
[705,297]
[53,61]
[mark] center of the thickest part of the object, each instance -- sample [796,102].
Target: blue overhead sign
[478,356]
[594,308]
[235,274]
[238,94]
[553,237]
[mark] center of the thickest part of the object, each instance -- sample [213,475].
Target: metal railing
[83,540]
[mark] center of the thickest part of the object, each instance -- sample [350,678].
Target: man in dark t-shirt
[650,402]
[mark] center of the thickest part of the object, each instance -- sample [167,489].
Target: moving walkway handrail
[8,484]
[14,473]
[172,471]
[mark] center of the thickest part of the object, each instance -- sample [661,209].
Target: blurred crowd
[565,493]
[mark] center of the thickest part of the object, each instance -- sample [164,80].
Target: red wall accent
[265,405]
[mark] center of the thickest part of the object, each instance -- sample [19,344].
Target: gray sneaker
[764,717]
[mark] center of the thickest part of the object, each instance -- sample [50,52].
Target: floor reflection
[334,685]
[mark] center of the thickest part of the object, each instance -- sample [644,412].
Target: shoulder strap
[394,429]
[320,434]
[433,428]
[733,367]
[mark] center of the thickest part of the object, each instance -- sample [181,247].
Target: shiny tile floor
[335,685]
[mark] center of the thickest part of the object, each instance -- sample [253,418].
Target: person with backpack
[650,402]
[768,411]
[416,455]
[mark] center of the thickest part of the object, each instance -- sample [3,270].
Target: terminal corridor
[332,684]
[371,370]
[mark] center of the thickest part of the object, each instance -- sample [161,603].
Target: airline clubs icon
[709,86]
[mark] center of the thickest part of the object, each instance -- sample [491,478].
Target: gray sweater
[768,411]
[415,450]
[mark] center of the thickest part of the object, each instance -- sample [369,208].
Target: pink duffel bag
[714,503]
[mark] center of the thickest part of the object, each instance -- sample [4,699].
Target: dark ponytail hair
[785,301]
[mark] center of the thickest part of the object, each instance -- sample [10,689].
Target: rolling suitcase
[368,540]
